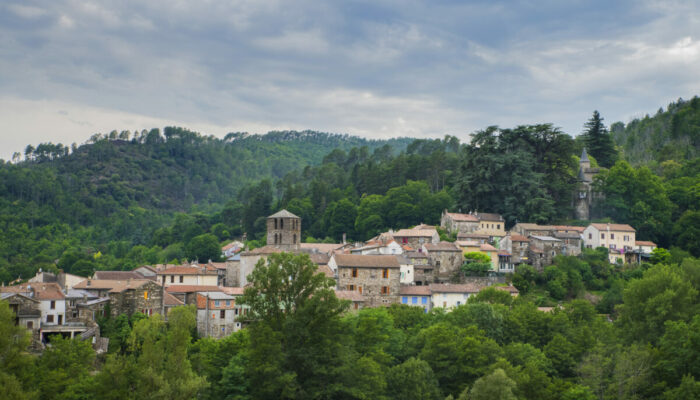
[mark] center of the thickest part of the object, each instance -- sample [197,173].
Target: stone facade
[284,230]
[376,278]
[141,296]
[216,314]
[543,249]
[584,196]
[571,243]
[416,238]
[27,312]
[446,259]
[459,223]
[518,247]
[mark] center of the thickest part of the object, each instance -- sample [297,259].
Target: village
[409,266]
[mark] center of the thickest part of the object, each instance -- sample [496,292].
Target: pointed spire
[584,156]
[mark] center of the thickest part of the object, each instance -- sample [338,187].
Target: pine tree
[599,142]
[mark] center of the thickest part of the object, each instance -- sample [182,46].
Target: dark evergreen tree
[599,142]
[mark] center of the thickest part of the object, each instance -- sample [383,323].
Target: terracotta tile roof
[570,228]
[188,270]
[503,253]
[171,301]
[321,247]
[355,260]
[614,227]
[97,284]
[442,246]
[283,214]
[46,291]
[487,247]
[643,243]
[320,259]
[463,217]
[424,226]
[567,235]
[406,247]
[518,238]
[148,267]
[471,236]
[489,217]
[261,251]
[468,243]
[217,265]
[232,291]
[131,284]
[457,288]
[349,295]
[117,275]
[192,288]
[415,233]
[544,238]
[411,290]
[416,254]
[535,227]
[232,245]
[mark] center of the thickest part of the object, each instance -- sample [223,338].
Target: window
[228,303]
[498,226]
[145,294]
[351,287]
[281,223]
[359,289]
[424,300]
[60,319]
[356,306]
[49,319]
[294,238]
[75,314]
[404,300]
[235,311]
[163,279]
[53,305]
[385,289]
[459,303]
[385,273]
[590,236]
[275,223]
[182,278]
[602,236]
[172,278]
[222,314]
[612,236]
[30,324]
[414,300]
[612,246]
[404,240]
[354,272]
[216,303]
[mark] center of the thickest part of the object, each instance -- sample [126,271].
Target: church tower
[583,197]
[284,230]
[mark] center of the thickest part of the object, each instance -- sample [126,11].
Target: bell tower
[284,230]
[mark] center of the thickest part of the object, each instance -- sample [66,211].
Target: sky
[377,69]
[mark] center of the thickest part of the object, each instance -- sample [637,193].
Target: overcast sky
[378,69]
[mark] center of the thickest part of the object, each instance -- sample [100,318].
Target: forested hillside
[671,134]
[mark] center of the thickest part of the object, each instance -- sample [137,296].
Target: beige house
[376,277]
[450,296]
[492,225]
[644,247]
[416,238]
[188,275]
[617,238]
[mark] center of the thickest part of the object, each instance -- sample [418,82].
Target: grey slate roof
[283,214]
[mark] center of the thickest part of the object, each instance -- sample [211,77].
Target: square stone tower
[284,230]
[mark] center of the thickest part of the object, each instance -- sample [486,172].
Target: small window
[424,300]
[281,223]
[235,311]
[30,324]
[612,236]
[145,294]
[294,238]
[498,226]
[385,289]
[590,236]
[356,306]
[414,300]
[228,303]
[75,314]
[359,289]
[404,300]
[602,236]
[49,319]
[216,303]
[354,272]
[222,314]
[385,273]
[53,304]
[182,278]
[172,278]
[351,287]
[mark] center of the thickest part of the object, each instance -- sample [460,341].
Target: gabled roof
[233,291]
[48,291]
[463,217]
[518,238]
[468,243]
[283,214]
[321,247]
[192,288]
[117,275]
[416,254]
[131,284]
[411,290]
[567,235]
[489,217]
[442,246]
[569,228]
[643,243]
[261,251]
[613,227]
[535,227]
[487,247]
[188,270]
[171,301]
[415,233]
[326,270]
[457,288]
[545,238]
[372,261]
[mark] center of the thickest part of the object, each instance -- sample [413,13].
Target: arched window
[281,223]
[294,238]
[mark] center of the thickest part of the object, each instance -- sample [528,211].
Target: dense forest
[303,344]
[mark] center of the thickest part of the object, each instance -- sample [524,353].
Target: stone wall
[369,283]
[233,273]
[284,233]
[133,300]
[445,263]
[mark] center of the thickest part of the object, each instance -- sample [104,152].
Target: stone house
[571,243]
[416,238]
[284,230]
[492,253]
[357,301]
[617,238]
[64,280]
[407,270]
[526,229]
[423,271]
[189,275]
[446,258]
[416,296]
[469,246]
[375,277]
[459,223]
[26,309]
[215,314]
[74,297]
[543,249]
[518,247]
[147,271]
[187,294]
[136,295]
[644,247]
[505,262]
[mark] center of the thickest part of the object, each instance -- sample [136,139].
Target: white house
[188,275]
[450,296]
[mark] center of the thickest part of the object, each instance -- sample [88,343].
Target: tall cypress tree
[599,142]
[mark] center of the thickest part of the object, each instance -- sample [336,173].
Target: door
[60,319]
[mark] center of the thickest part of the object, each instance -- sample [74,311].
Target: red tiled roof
[172,301]
[457,288]
[567,228]
[442,246]
[644,243]
[415,233]
[518,238]
[262,250]
[489,217]
[614,227]
[233,291]
[325,269]
[192,288]
[117,275]
[356,260]
[487,247]
[463,217]
[411,290]
[188,270]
